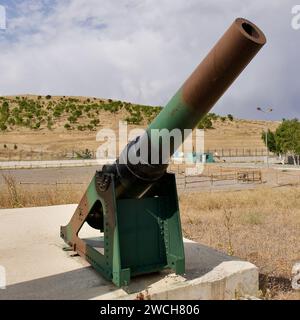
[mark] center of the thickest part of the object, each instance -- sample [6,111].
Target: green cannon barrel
[231,54]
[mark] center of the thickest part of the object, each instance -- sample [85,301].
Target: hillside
[70,113]
[55,124]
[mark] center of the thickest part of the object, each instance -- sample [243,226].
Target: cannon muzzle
[192,101]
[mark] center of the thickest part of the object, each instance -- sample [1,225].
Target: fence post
[260,177]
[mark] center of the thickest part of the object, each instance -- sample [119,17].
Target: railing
[7,154]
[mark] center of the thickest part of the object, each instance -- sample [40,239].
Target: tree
[4,114]
[287,137]
[3,127]
[205,123]
[272,146]
[285,140]
[230,117]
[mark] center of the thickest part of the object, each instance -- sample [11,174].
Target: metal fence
[7,154]
[210,180]
[182,180]
[32,155]
[239,152]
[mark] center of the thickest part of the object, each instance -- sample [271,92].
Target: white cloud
[142,51]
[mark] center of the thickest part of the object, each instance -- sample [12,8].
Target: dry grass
[261,225]
[13,195]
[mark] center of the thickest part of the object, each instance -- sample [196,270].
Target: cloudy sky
[142,50]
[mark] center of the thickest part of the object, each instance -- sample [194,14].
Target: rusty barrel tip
[250,30]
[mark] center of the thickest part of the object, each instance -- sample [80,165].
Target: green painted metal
[210,158]
[176,114]
[150,231]
[140,235]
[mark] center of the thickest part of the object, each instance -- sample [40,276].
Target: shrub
[57,113]
[77,113]
[230,117]
[5,106]
[50,124]
[72,119]
[86,154]
[95,122]
[11,121]
[205,123]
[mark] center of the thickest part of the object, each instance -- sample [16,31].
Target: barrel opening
[250,30]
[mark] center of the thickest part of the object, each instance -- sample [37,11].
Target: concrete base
[37,267]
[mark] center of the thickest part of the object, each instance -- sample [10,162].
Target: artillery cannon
[135,205]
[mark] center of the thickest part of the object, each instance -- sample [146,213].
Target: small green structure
[209,157]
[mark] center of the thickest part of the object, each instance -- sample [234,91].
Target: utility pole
[266,111]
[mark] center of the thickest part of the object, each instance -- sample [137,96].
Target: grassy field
[261,225]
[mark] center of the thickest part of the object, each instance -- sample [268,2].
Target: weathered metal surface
[140,235]
[231,54]
[136,206]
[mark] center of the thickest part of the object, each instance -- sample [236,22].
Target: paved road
[52,175]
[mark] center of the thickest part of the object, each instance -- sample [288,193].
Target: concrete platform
[38,268]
